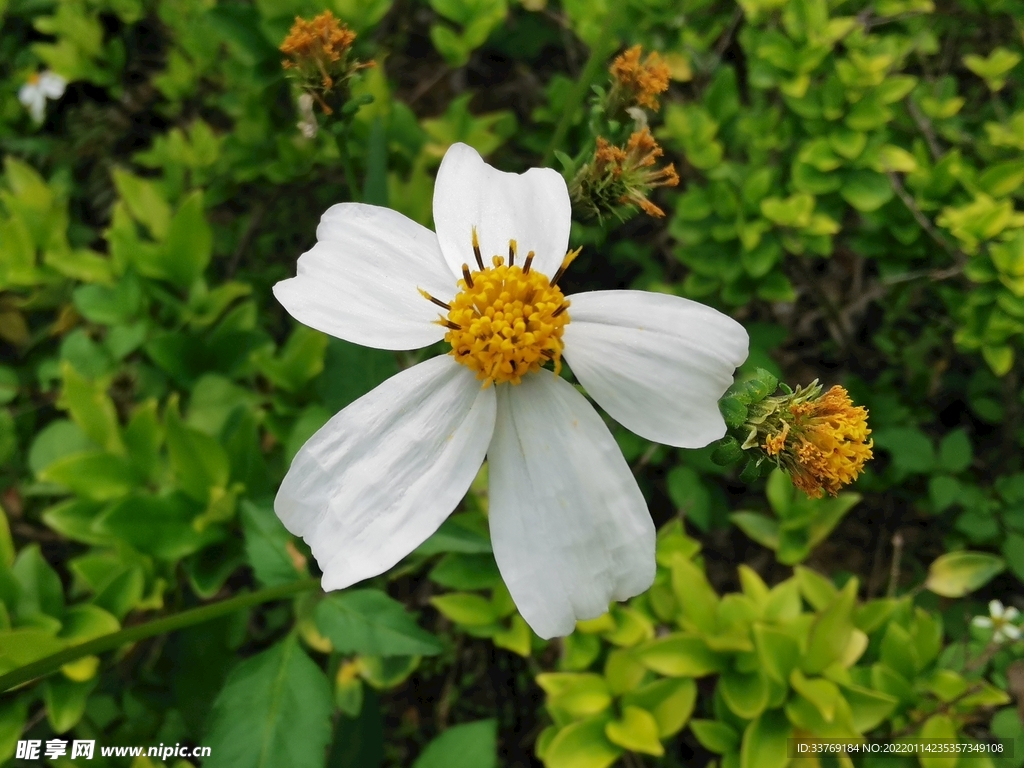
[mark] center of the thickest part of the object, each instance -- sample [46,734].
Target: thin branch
[958,256]
[894,568]
[925,125]
[109,642]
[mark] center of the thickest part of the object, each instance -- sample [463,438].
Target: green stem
[52,663]
[604,45]
[346,162]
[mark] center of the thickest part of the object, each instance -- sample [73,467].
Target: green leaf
[41,590]
[198,461]
[938,727]
[778,652]
[161,526]
[689,495]
[368,621]
[715,736]
[300,359]
[745,693]
[274,710]
[636,731]
[89,406]
[822,693]
[868,708]
[831,630]
[956,574]
[59,438]
[189,244]
[13,714]
[144,201]
[577,694]
[670,701]
[581,745]
[455,535]
[96,476]
[680,655]
[1002,179]
[761,528]
[266,545]
[466,608]
[470,745]
[764,741]
[816,589]
[866,191]
[955,453]
[993,68]
[466,572]
[65,701]
[910,448]
[695,595]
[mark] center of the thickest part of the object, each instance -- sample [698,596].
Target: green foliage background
[852,175]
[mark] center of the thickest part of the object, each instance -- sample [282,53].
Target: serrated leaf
[273,710]
[368,621]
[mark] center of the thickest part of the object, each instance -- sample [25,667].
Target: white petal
[1011,631]
[359,282]
[657,363]
[982,621]
[531,208]
[995,608]
[1011,614]
[52,84]
[384,473]
[34,101]
[569,526]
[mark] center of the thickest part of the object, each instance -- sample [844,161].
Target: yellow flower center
[34,78]
[831,443]
[507,320]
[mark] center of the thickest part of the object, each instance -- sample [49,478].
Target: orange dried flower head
[643,81]
[623,176]
[318,51]
[822,440]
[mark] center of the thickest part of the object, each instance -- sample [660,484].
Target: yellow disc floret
[507,320]
[823,442]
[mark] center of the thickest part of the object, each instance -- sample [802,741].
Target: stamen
[465,272]
[448,324]
[476,251]
[499,261]
[570,257]
[527,263]
[430,298]
[511,253]
[560,310]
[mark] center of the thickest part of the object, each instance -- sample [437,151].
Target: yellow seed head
[823,442]
[506,322]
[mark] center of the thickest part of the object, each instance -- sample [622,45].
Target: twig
[259,210]
[959,256]
[726,39]
[942,709]
[894,568]
[926,128]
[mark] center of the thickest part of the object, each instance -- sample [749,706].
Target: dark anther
[529,261]
[560,310]
[466,275]
[511,253]
[440,303]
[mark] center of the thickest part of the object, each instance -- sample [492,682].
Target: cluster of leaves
[800,659]
[851,177]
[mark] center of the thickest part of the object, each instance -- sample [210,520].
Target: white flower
[1001,620]
[39,88]
[569,526]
